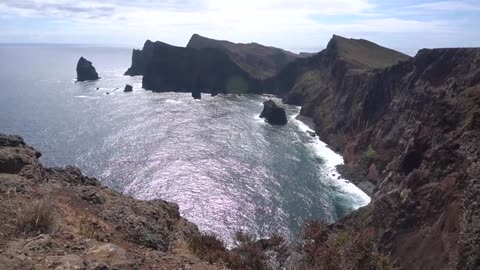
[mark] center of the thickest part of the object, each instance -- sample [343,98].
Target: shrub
[208,247]
[34,218]
[370,154]
[342,249]
[249,255]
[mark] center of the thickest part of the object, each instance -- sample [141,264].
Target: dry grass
[36,217]
[88,227]
[209,248]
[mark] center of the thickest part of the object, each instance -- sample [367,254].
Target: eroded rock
[273,114]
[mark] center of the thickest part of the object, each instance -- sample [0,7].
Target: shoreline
[361,197]
[344,173]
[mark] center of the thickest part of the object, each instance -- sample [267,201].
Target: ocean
[225,167]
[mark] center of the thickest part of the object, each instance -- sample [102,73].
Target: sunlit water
[225,167]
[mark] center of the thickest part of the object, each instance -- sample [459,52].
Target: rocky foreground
[57,218]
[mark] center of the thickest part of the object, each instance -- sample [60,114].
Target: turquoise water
[225,167]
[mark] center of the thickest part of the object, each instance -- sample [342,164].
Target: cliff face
[180,69]
[302,79]
[259,61]
[140,59]
[56,218]
[412,129]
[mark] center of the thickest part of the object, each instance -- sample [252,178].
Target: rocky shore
[57,218]
[411,130]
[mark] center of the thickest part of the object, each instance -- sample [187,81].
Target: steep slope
[140,59]
[302,78]
[171,68]
[412,129]
[57,218]
[259,61]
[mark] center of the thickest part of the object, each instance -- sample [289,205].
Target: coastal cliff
[169,68]
[57,218]
[412,129]
[259,61]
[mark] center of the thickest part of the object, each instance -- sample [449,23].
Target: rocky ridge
[259,61]
[57,218]
[412,130]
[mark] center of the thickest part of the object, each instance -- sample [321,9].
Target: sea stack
[273,114]
[128,88]
[86,71]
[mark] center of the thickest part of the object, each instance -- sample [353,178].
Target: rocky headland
[168,68]
[411,130]
[259,61]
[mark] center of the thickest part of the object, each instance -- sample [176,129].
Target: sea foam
[333,159]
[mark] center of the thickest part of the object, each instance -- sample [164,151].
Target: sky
[296,25]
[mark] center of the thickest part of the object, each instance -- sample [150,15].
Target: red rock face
[373,173]
[420,120]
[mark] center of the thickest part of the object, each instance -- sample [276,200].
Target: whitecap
[333,159]
[86,97]
[173,101]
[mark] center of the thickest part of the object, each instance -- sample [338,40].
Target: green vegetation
[248,254]
[345,249]
[370,154]
[322,248]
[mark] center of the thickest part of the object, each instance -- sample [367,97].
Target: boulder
[86,71]
[273,114]
[128,88]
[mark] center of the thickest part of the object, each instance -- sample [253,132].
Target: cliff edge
[413,130]
[57,218]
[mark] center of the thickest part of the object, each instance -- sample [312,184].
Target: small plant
[88,227]
[34,218]
[208,247]
[370,154]
[250,254]
[349,249]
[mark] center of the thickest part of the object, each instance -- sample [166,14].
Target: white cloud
[450,6]
[283,23]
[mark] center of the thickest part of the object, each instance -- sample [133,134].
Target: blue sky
[297,25]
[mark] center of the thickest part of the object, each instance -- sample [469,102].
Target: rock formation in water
[273,114]
[57,218]
[86,71]
[128,88]
[180,69]
[259,61]
[411,130]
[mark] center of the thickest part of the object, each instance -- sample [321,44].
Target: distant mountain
[258,60]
